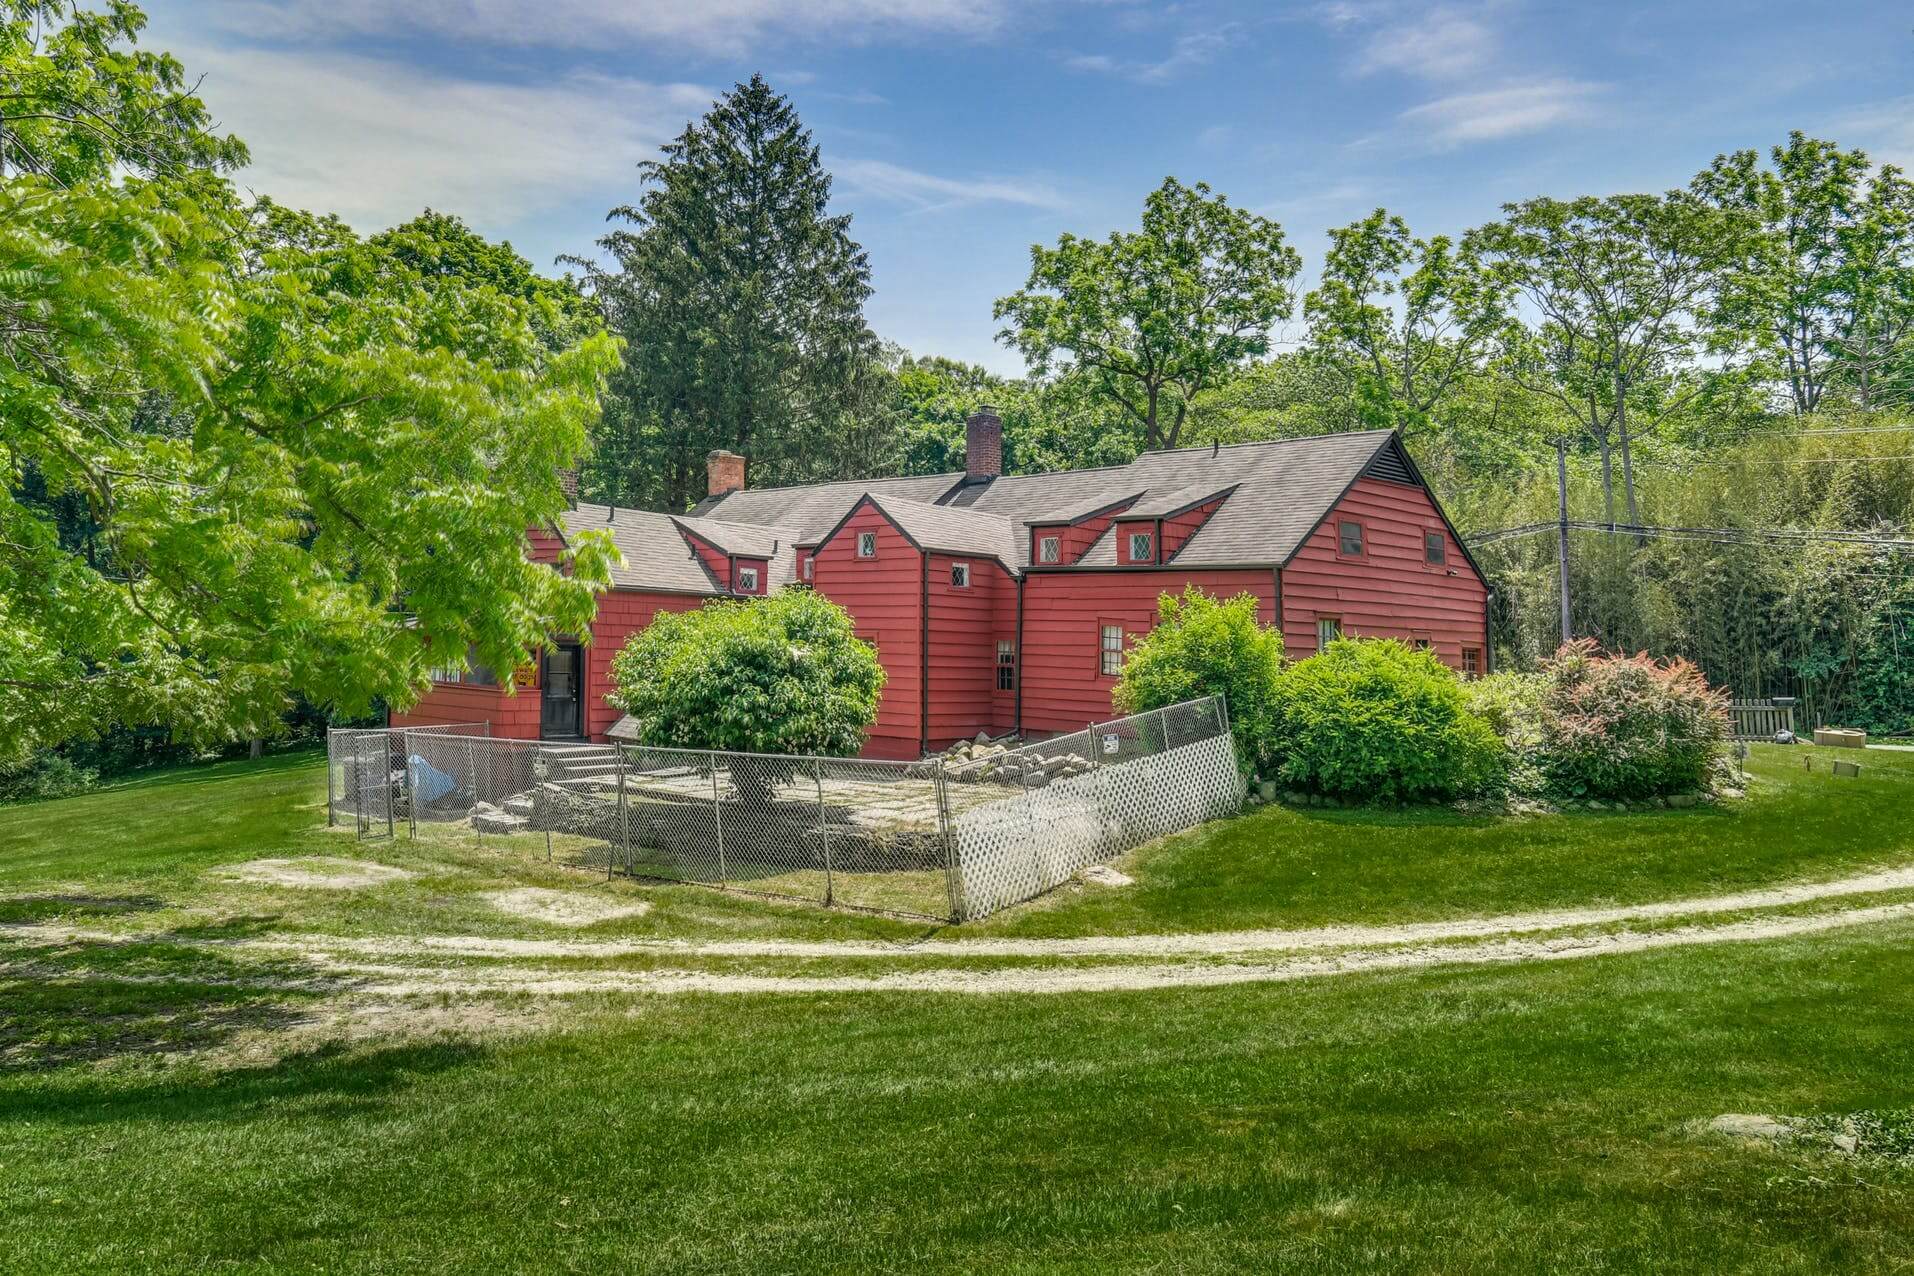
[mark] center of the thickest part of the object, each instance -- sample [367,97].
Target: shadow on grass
[90,1001]
[22,910]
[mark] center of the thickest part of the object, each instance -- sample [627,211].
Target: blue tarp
[429,784]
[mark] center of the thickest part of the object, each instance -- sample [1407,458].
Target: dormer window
[960,575]
[1142,547]
[810,567]
[1050,549]
[747,582]
[867,544]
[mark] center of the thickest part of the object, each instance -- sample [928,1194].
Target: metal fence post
[823,829]
[624,833]
[471,761]
[330,799]
[717,815]
[955,911]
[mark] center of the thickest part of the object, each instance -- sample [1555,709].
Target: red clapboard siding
[449,703]
[543,545]
[1077,538]
[1063,689]
[1003,628]
[884,596]
[1390,592]
[715,561]
[963,647]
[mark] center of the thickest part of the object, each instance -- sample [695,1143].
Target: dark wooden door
[561,693]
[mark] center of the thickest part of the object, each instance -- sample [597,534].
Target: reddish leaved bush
[1627,726]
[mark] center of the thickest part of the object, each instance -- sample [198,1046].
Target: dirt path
[372,980]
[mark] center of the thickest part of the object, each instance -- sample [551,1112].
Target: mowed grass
[1511,1120]
[1508,1119]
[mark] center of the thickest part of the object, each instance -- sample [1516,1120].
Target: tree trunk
[1628,462]
[1608,480]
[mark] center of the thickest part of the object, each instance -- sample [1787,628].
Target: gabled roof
[1274,494]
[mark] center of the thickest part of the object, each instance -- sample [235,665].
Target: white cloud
[714,26]
[927,191]
[1186,53]
[1493,114]
[1443,44]
[375,141]
[1884,129]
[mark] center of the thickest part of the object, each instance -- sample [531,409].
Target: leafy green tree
[1617,283]
[1150,319]
[1780,288]
[1874,332]
[1203,646]
[1404,322]
[249,458]
[741,301]
[441,246]
[781,674]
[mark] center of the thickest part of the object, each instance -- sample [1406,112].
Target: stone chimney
[724,472]
[984,443]
[568,479]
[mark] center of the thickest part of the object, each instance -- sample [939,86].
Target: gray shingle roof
[1278,491]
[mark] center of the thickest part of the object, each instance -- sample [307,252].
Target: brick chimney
[984,443]
[568,479]
[724,472]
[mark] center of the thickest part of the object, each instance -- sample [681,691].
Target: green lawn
[177,1093]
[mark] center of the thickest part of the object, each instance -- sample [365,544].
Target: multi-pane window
[1435,548]
[810,568]
[960,575]
[1110,651]
[1050,549]
[747,582]
[1349,539]
[867,544]
[1471,662]
[468,671]
[1421,643]
[1328,629]
[1006,665]
[1141,547]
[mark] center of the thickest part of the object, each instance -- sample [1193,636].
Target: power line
[1719,535]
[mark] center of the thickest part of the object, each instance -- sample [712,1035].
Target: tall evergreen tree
[741,301]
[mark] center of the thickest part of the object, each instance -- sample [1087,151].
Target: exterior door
[561,693]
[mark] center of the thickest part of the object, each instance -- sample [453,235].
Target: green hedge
[1205,647]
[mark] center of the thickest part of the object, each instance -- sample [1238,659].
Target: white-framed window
[1435,548]
[1472,662]
[1006,665]
[1110,650]
[960,575]
[1422,642]
[1349,539]
[810,567]
[467,671]
[867,544]
[1142,547]
[747,582]
[1328,629]
[1050,549]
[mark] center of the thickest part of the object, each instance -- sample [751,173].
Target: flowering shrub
[1380,719]
[1627,726]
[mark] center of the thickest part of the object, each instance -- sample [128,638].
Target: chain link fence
[364,765]
[938,839]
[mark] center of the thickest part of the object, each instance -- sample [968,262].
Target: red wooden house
[1005,602]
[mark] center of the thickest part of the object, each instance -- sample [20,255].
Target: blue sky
[962,131]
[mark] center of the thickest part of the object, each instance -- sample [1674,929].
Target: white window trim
[1050,549]
[867,544]
[1105,651]
[960,569]
[1335,622]
[1149,547]
[810,566]
[747,581]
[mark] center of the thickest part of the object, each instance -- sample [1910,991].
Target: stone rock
[983,737]
[1750,1125]
[519,804]
[1104,875]
[496,821]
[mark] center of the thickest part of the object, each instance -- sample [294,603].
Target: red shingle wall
[1389,592]
[1124,530]
[449,703]
[884,596]
[1063,688]
[1077,539]
[621,613]
[543,545]
[1177,531]
[1003,625]
[964,628]
[715,561]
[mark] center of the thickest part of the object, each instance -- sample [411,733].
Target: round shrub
[783,674]
[1511,705]
[1627,726]
[1203,646]
[1380,719]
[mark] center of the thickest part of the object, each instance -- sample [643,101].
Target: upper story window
[810,567]
[1142,547]
[960,575]
[1110,650]
[1050,549]
[867,544]
[747,581]
[1435,548]
[1349,539]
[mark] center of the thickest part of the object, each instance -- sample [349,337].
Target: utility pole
[1561,528]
